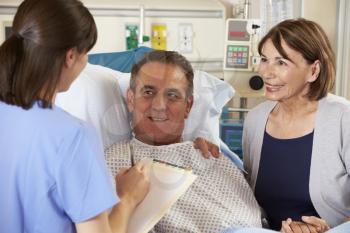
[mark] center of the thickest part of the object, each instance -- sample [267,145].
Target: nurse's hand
[133,184]
[207,148]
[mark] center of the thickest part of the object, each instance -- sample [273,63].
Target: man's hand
[310,224]
[320,224]
[133,184]
[206,148]
[290,226]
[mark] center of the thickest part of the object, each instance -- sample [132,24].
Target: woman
[53,176]
[297,143]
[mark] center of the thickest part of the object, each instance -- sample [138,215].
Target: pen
[171,164]
[132,155]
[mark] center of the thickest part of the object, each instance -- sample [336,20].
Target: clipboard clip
[172,165]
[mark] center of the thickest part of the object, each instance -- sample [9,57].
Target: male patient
[160,99]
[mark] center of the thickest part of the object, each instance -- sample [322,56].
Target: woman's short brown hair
[309,39]
[32,58]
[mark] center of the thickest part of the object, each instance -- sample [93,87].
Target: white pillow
[98,96]
[95,97]
[210,96]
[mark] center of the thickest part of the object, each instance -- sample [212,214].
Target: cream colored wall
[325,13]
[348,97]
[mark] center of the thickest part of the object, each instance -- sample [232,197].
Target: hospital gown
[218,199]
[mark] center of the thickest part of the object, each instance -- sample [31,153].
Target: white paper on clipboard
[167,185]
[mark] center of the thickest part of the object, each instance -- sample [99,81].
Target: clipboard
[167,184]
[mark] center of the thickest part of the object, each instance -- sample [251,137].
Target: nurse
[53,176]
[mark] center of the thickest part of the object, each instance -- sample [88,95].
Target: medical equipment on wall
[241,58]
[240,63]
[241,44]
[181,25]
[132,36]
[241,53]
[185,26]
[135,33]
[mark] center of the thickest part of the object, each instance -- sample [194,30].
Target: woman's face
[284,79]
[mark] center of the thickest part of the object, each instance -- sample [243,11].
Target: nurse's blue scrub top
[52,171]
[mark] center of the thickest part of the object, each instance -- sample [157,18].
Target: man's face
[159,105]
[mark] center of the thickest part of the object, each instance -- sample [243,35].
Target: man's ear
[189,103]
[70,58]
[130,100]
[315,71]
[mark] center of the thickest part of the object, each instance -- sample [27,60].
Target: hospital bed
[98,97]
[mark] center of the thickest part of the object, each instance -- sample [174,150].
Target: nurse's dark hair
[310,40]
[165,57]
[31,59]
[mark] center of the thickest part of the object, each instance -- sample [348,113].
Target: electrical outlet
[185,38]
